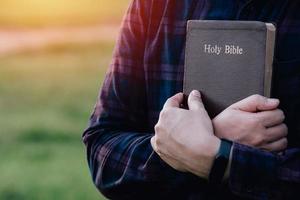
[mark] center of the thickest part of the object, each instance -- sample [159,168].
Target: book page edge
[270,47]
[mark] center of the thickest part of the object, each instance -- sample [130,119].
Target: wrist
[215,146]
[207,156]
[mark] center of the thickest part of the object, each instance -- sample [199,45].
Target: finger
[195,101]
[271,118]
[256,103]
[276,146]
[174,101]
[276,133]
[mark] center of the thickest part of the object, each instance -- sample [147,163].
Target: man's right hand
[255,121]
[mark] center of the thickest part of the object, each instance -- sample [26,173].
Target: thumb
[256,103]
[174,101]
[195,101]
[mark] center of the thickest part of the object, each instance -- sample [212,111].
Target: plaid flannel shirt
[147,68]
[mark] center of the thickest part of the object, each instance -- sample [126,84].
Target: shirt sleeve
[122,162]
[258,174]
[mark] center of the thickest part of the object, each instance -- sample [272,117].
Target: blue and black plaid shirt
[147,68]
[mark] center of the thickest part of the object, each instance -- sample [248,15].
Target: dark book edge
[226,25]
[270,46]
[185,59]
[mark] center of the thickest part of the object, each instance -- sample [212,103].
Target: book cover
[228,61]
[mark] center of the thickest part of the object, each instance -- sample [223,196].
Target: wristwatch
[220,163]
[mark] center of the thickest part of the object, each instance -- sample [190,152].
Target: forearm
[124,165]
[256,174]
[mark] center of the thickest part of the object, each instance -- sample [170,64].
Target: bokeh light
[53,57]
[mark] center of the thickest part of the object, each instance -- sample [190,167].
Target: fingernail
[273,101]
[196,93]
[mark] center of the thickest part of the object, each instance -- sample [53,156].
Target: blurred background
[53,57]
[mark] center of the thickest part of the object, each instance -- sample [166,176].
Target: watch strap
[220,163]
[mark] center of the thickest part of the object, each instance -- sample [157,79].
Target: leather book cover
[228,61]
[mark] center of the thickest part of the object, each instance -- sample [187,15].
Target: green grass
[45,101]
[36,13]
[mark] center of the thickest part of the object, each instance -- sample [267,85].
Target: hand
[184,139]
[254,121]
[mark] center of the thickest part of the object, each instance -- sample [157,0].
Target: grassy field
[46,98]
[36,13]
[45,101]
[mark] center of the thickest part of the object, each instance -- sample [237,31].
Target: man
[142,145]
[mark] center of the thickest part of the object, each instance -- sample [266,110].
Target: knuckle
[158,131]
[159,135]
[282,130]
[158,144]
[164,113]
[285,143]
[259,140]
[171,100]
[157,128]
[255,121]
[154,144]
[257,97]
[281,115]
[285,129]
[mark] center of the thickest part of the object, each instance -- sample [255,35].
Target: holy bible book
[228,61]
